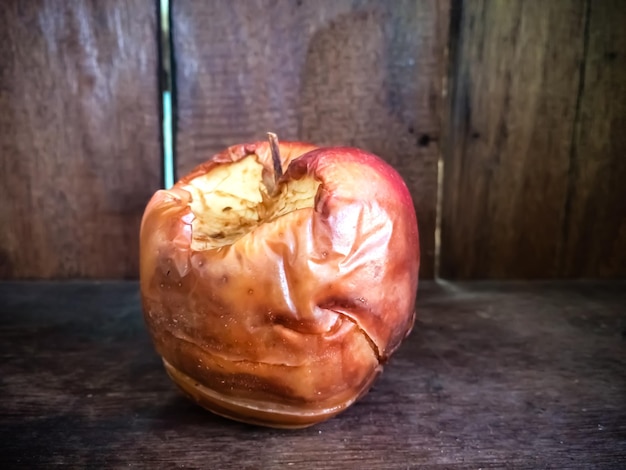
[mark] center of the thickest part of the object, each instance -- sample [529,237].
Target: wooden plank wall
[594,230]
[365,73]
[531,123]
[79,135]
[535,174]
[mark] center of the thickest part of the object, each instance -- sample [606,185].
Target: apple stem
[278,167]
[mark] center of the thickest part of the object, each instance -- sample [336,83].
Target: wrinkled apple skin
[291,324]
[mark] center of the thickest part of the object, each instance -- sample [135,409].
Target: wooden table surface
[494,375]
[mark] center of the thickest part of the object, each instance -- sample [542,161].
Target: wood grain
[594,231]
[534,141]
[79,136]
[494,375]
[366,74]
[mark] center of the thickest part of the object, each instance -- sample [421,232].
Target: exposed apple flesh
[277,302]
[232,200]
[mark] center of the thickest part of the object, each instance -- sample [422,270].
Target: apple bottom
[249,412]
[273,395]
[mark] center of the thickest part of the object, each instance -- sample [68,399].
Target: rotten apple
[275,298]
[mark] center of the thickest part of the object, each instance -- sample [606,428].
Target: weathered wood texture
[493,376]
[79,135]
[365,73]
[535,141]
[594,243]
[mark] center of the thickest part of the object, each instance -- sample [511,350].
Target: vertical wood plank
[365,73]
[594,236]
[79,135]
[515,80]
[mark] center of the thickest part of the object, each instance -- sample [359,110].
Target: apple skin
[290,324]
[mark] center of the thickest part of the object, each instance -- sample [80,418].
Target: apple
[275,299]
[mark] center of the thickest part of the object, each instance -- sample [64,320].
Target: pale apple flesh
[278,305]
[233,200]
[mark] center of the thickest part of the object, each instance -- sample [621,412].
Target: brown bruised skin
[277,306]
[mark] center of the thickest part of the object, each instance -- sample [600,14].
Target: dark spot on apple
[411,130]
[227,208]
[339,302]
[168,272]
[287,320]
[424,140]
[217,235]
